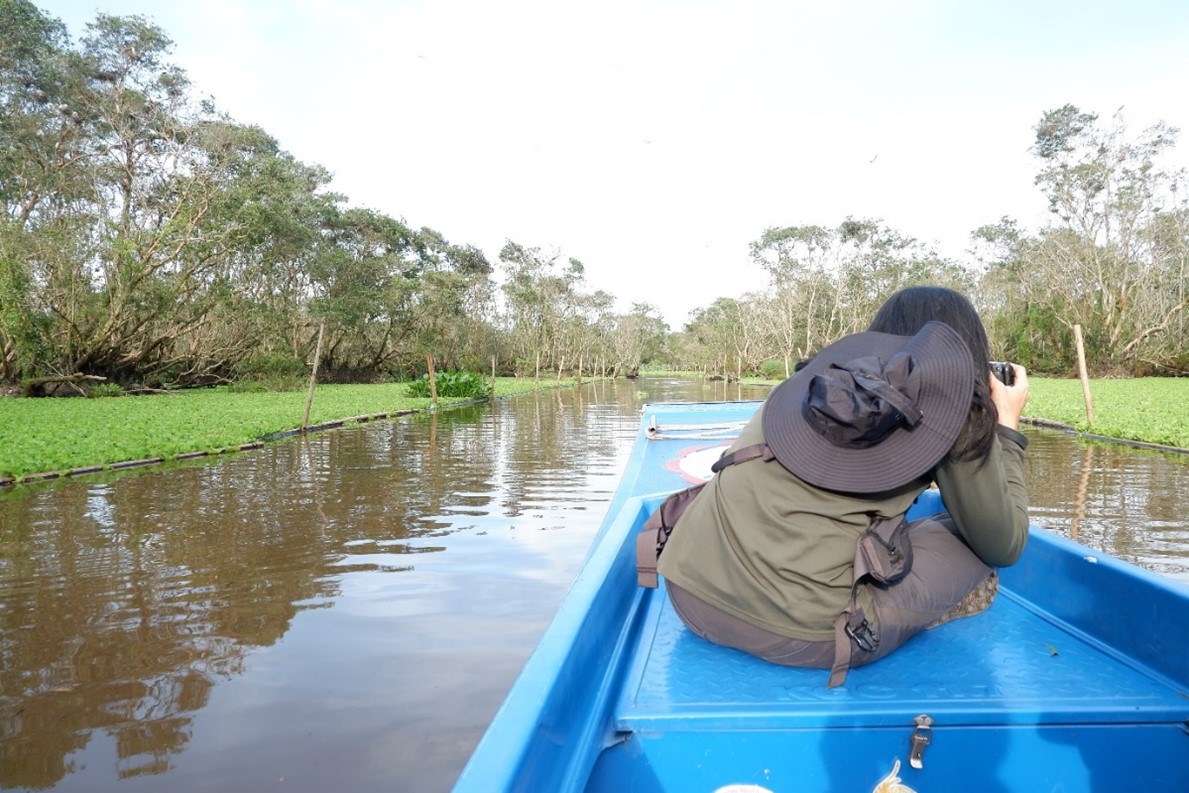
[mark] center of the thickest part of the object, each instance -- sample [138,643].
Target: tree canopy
[151,239]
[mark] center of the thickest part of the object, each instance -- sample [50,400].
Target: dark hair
[907,311]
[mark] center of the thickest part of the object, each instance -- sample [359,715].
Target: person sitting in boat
[802,556]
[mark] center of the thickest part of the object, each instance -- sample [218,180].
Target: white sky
[654,140]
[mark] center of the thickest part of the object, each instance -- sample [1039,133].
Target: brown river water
[346,611]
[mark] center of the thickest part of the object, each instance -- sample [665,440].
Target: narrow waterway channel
[346,611]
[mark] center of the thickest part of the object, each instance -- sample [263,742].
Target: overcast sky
[654,140]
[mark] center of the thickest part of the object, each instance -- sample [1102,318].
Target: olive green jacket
[778,553]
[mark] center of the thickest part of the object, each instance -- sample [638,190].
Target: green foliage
[276,383]
[210,243]
[207,244]
[1113,261]
[1148,409]
[774,369]
[58,434]
[1058,131]
[277,364]
[104,390]
[462,385]
[1033,335]
[253,386]
[278,371]
[22,326]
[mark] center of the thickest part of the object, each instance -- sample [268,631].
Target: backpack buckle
[864,636]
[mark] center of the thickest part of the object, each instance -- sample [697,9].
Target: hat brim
[947,386]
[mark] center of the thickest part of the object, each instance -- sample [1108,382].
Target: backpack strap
[883,553]
[754,452]
[651,539]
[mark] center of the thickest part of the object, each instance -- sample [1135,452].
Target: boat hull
[1076,679]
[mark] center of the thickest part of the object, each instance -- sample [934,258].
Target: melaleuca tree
[1114,256]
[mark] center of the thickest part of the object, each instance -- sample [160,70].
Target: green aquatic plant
[42,435]
[1145,409]
[462,385]
[39,435]
[104,390]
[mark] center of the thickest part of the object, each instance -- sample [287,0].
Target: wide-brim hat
[873,411]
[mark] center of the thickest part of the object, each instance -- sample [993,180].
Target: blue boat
[1076,678]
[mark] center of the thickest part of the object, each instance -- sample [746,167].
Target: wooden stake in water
[433,382]
[1085,378]
[305,422]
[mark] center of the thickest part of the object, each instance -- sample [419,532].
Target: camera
[1004,372]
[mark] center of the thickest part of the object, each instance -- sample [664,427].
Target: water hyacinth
[59,434]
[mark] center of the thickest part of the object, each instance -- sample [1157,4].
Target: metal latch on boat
[922,736]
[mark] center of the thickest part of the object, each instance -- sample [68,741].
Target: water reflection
[346,611]
[1128,502]
[339,612]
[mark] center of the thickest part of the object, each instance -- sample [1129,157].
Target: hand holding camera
[1009,392]
[1004,372]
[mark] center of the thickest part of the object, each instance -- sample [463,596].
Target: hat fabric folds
[873,411]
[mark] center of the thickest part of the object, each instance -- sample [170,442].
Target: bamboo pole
[305,422]
[1085,378]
